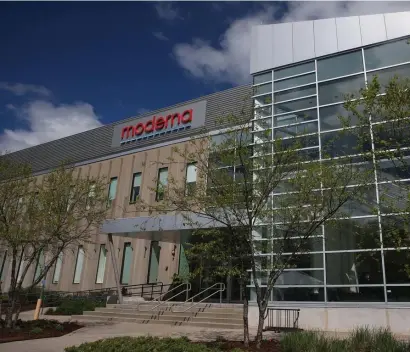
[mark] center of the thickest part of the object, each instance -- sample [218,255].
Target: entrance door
[155,251]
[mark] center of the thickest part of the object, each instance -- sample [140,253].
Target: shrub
[59,327]
[70,306]
[36,331]
[141,344]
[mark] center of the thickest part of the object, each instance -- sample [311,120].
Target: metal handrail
[220,290]
[186,290]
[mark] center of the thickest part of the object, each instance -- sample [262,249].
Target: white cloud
[47,122]
[21,89]
[229,61]
[160,36]
[167,11]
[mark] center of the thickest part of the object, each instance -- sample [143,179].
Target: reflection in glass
[263,136]
[391,135]
[340,65]
[384,76]
[301,142]
[295,82]
[282,108]
[304,261]
[295,294]
[262,89]
[300,277]
[355,294]
[387,54]
[295,93]
[294,70]
[263,77]
[354,268]
[365,203]
[262,100]
[335,117]
[262,124]
[336,91]
[394,197]
[396,231]
[296,117]
[294,130]
[343,143]
[352,234]
[398,293]
[390,170]
[297,243]
[397,266]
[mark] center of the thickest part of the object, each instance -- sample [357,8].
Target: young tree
[268,196]
[40,220]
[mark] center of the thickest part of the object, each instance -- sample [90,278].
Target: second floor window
[191,172]
[162,182]
[136,187]
[112,190]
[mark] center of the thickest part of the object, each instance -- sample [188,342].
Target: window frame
[132,196]
[160,189]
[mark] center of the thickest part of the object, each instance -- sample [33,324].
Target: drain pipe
[116,272]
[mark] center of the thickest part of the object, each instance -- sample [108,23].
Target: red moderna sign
[159,123]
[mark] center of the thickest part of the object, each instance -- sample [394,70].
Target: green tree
[268,196]
[41,218]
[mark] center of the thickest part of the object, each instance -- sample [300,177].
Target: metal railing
[285,319]
[186,291]
[219,290]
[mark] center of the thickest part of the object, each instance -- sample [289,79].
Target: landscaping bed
[75,306]
[36,329]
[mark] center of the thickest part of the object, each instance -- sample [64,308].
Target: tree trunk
[17,313]
[245,320]
[10,310]
[259,333]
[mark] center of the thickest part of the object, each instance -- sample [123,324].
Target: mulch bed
[267,346]
[24,332]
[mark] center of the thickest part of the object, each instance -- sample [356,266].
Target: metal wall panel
[372,29]
[330,36]
[282,44]
[303,41]
[264,47]
[397,24]
[348,33]
[96,143]
[325,36]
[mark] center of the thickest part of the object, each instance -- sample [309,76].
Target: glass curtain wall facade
[350,259]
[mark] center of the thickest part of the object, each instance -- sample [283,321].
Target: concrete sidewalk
[94,333]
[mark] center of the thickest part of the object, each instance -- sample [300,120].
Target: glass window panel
[398,294]
[263,112]
[387,54]
[394,197]
[300,104]
[126,264]
[390,170]
[301,277]
[292,131]
[397,266]
[352,234]
[355,294]
[364,204]
[79,265]
[263,77]
[263,136]
[112,189]
[3,258]
[191,171]
[102,259]
[39,266]
[262,89]
[294,70]
[294,82]
[309,154]
[340,65]
[384,76]
[262,124]
[136,187]
[296,117]
[304,261]
[262,100]
[354,268]
[391,135]
[163,176]
[57,269]
[137,180]
[343,143]
[334,117]
[396,231]
[300,142]
[297,294]
[294,93]
[261,232]
[297,244]
[336,91]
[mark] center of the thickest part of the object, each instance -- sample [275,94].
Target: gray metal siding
[96,143]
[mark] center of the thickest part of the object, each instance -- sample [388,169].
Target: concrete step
[208,324]
[176,308]
[176,318]
[206,313]
[199,305]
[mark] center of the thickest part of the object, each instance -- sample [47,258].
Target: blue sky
[71,66]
